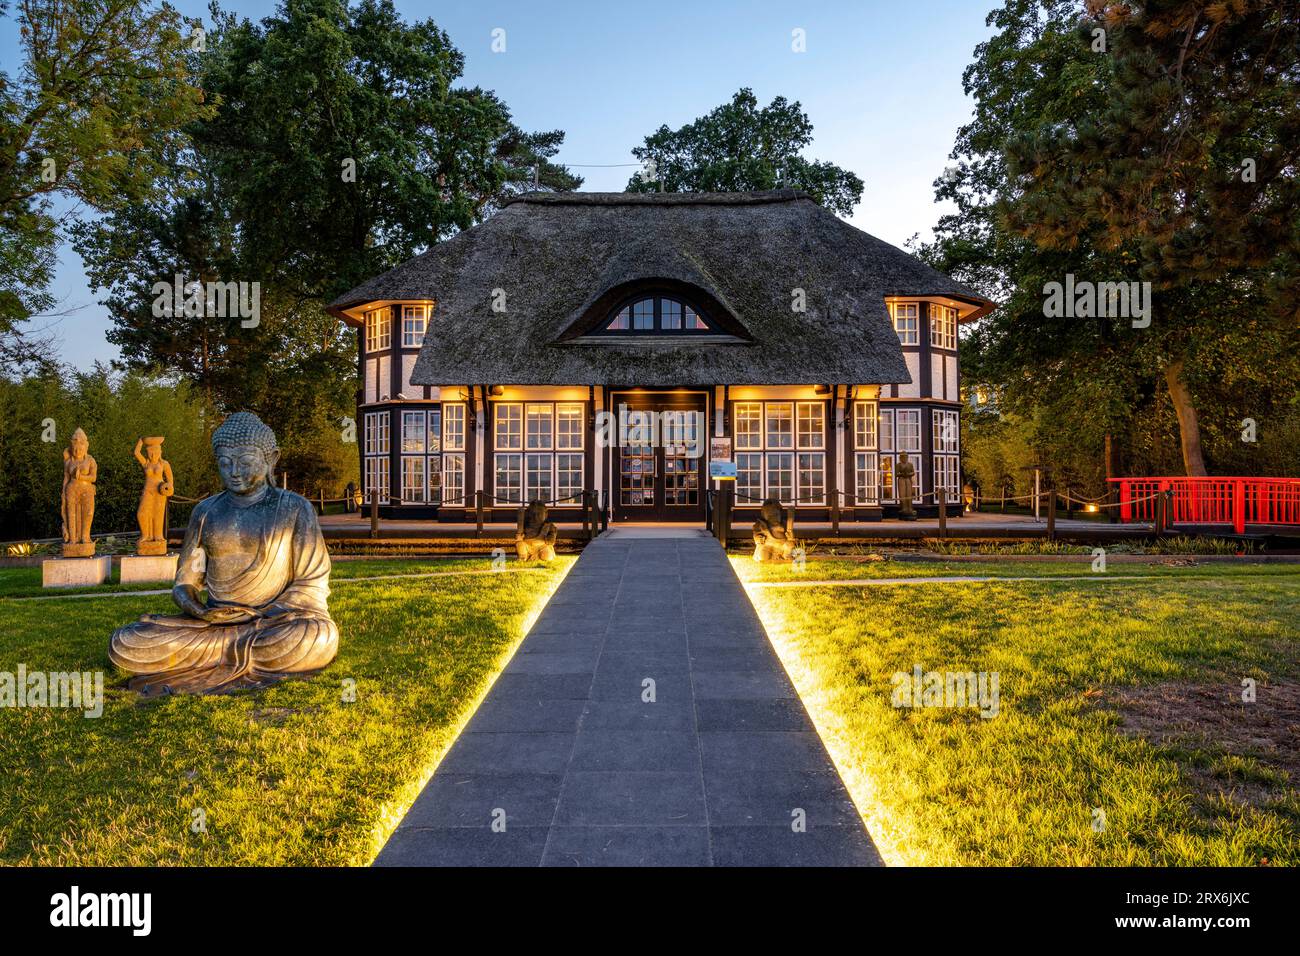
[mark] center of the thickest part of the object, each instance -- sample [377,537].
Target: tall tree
[739,147]
[99,102]
[1192,161]
[342,147]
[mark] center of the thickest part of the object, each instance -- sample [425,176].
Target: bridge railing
[1235,501]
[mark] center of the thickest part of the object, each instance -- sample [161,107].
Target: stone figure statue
[79,474]
[534,535]
[258,551]
[904,477]
[158,487]
[774,532]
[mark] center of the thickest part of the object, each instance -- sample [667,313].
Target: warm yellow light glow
[886,831]
[1091,508]
[396,809]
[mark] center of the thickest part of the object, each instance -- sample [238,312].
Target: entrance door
[659,472]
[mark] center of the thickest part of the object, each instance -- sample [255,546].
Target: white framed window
[376,433]
[866,489]
[810,425]
[453,427]
[539,420]
[780,424]
[947,476]
[947,431]
[864,425]
[866,477]
[413,488]
[539,485]
[509,418]
[749,424]
[376,478]
[508,485]
[943,327]
[413,437]
[415,320]
[434,443]
[569,477]
[907,322]
[779,452]
[379,329]
[453,478]
[568,426]
[551,435]
[908,429]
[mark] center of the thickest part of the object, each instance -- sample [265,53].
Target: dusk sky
[881,85]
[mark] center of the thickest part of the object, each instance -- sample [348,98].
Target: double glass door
[659,464]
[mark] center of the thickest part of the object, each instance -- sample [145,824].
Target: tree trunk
[1189,429]
[1109,457]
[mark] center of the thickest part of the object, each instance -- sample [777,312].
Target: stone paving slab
[644,721]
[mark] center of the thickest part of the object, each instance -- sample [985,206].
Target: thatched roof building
[521,298]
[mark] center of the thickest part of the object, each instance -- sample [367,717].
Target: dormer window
[379,329]
[656,315]
[907,319]
[415,319]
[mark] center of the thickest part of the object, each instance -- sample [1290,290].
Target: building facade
[616,343]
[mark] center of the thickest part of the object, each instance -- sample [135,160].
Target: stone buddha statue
[534,535]
[774,532]
[259,553]
[158,487]
[79,474]
[904,478]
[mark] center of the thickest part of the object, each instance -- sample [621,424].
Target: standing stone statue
[259,553]
[158,487]
[534,535]
[904,475]
[774,538]
[79,474]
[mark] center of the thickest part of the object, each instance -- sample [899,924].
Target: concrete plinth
[76,572]
[136,568]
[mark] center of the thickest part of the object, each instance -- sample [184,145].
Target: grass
[291,774]
[945,786]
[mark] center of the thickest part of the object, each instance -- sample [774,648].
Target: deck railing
[1212,500]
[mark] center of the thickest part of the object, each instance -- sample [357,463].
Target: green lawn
[290,774]
[1083,667]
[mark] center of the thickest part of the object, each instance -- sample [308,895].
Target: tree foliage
[740,147]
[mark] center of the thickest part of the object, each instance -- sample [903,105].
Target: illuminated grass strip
[395,810]
[817,696]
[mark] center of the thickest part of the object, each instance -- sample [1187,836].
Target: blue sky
[881,82]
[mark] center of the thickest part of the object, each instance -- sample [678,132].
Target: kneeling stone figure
[259,552]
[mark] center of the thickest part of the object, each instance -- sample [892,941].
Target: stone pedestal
[76,572]
[136,568]
[151,549]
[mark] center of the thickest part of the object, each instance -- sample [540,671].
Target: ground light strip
[393,812]
[883,828]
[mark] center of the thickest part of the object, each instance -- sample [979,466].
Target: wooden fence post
[374,512]
[835,514]
[478,513]
[1051,514]
[943,515]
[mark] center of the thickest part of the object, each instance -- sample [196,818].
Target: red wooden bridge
[1211,500]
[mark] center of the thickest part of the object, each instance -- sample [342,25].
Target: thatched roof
[564,259]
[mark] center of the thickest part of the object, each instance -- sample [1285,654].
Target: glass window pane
[671,314]
[864,424]
[509,426]
[453,424]
[435,430]
[539,486]
[812,477]
[780,477]
[539,426]
[886,429]
[909,429]
[622,321]
[749,478]
[643,314]
[413,479]
[414,321]
[749,425]
[509,479]
[866,490]
[568,426]
[812,425]
[780,425]
[569,474]
[693,322]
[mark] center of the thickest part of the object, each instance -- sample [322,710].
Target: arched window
[657,315]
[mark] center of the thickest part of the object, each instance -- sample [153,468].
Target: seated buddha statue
[258,552]
[534,535]
[774,532]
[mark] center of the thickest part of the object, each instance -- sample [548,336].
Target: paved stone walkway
[645,720]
